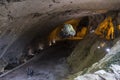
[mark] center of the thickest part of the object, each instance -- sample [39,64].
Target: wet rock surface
[106,68]
[84,56]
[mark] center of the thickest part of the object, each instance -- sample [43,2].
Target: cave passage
[65,55]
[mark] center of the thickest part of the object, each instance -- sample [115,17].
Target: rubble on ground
[112,74]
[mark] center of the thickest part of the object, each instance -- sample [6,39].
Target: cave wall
[22,20]
[88,50]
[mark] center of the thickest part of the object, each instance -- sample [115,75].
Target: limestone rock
[88,77]
[102,74]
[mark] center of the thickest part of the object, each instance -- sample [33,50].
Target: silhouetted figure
[1,73]
[83,23]
[30,72]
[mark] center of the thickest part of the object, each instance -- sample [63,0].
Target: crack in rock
[56,1]
[14,1]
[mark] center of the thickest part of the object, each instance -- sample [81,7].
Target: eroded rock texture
[23,20]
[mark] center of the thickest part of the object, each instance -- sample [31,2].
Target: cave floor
[51,66]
